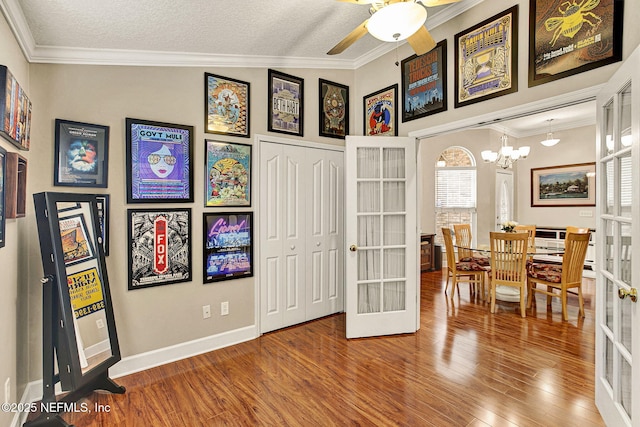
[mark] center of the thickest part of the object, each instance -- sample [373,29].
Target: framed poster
[76,245]
[103,202]
[228,248]
[381,112]
[159,247]
[226,104]
[424,83]
[569,38]
[81,154]
[334,109]
[568,185]
[15,111]
[159,158]
[228,174]
[3,214]
[486,59]
[286,103]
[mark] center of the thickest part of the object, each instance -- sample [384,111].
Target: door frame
[258,140]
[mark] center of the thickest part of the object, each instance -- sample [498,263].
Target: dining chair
[531,231]
[508,264]
[572,229]
[466,271]
[561,277]
[464,245]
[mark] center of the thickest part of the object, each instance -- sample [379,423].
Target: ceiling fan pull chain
[397,63]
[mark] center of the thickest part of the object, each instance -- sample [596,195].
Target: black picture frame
[564,185]
[159,162]
[424,83]
[486,66]
[15,111]
[227,106]
[228,168]
[228,246]
[103,205]
[152,260]
[3,205]
[81,154]
[380,112]
[554,55]
[333,109]
[286,103]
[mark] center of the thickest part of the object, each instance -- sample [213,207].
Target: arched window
[455,190]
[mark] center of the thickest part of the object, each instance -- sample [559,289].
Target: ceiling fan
[394,20]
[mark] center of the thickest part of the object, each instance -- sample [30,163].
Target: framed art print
[103,202]
[486,59]
[569,38]
[81,154]
[228,174]
[567,185]
[226,103]
[15,111]
[381,112]
[76,244]
[3,173]
[228,248]
[334,109]
[159,247]
[424,83]
[286,102]
[159,162]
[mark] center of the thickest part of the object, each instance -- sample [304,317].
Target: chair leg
[492,289]
[563,297]
[549,290]
[522,308]
[530,296]
[580,301]
[447,285]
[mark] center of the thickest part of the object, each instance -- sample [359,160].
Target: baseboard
[151,359]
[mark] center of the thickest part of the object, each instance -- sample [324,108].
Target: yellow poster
[85,291]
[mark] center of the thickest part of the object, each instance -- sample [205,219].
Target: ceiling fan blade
[421,41]
[432,3]
[358,1]
[350,39]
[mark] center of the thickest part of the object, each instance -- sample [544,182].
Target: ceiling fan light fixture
[397,21]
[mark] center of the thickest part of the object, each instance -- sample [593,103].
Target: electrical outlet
[224,308]
[7,390]
[206,311]
[99,323]
[586,213]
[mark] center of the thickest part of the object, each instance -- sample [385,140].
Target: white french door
[504,198]
[618,211]
[382,280]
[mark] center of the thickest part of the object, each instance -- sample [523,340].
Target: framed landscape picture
[569,185]
[228,248]
[334,109]
[381,112]
[81,154]
[159,247]
[226,103]
[286,103]
[228,174]
[424,83]
[567,39]
[486,59]
[159,162]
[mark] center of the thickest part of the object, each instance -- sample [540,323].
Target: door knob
[631,293]
[317,243]
[293,247]
[353,248]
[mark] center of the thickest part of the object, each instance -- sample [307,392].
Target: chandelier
[550,141]
[507,154]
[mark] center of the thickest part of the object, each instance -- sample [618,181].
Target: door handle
[353,248]
[631,293]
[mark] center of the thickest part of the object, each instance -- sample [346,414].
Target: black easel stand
[50,345]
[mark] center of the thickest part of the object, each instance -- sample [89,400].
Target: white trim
[97,348]
[299,143]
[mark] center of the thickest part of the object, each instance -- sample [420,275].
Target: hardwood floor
[464,367]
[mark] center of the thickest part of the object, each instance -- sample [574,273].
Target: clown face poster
[228,249]
[228,174]
[159,157]
[381,112]
[81,154]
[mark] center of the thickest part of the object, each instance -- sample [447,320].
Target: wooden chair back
[508,264]
[575,251]
[448,247]
[531,231]
[463,240]
[572,229]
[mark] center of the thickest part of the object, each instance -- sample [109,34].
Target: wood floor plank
[464,367]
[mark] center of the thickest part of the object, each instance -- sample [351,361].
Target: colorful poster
[424,83]
[160,247]
[159,162]
[228,169]
[75,242]
[334,109]
[228,250]
[285,103]
[15,111]
[227,103]
[85,292]
[80,154]
[380,112]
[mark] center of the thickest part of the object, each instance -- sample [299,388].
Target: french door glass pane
[625,386]
[625,253]
[368,163]
[394,233]
[368,197]
[608,248]
[394,164]
[368,298]
[625,185]
[609,304]
[394,196]
[608,357]
[369,264]
[608,128]
[625,324]
[609,183]
[394,296]
[368,230]
[394,263]
[625,118]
